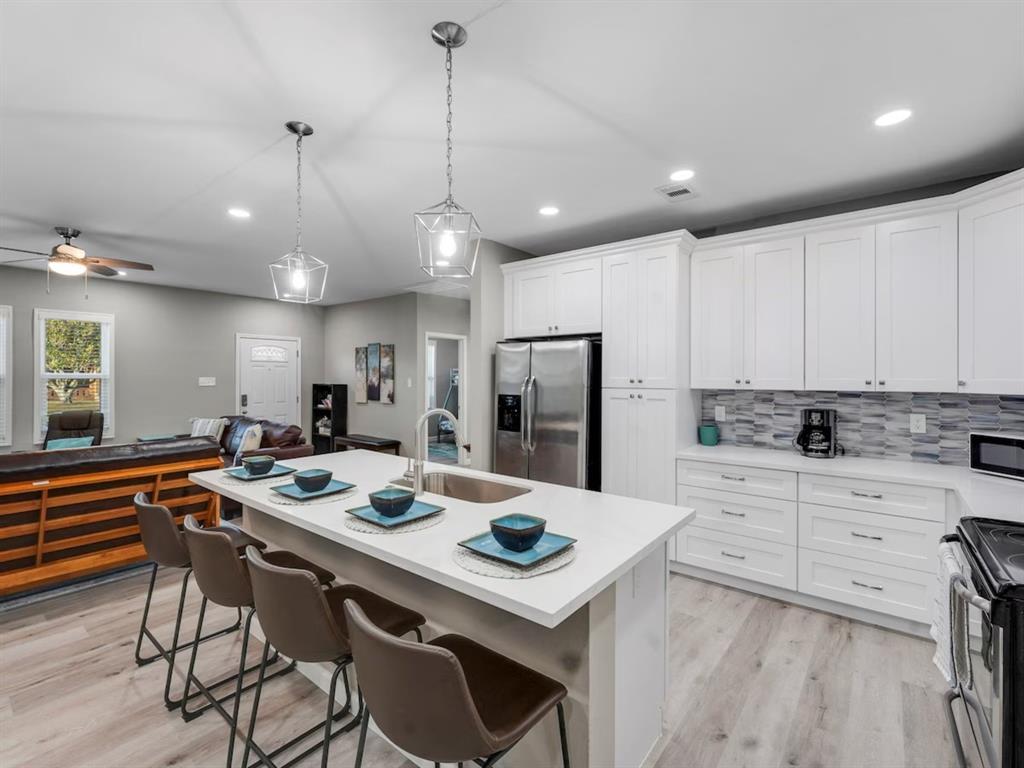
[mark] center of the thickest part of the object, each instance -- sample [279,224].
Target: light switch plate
[408,383]
[719,413]
[207,381]
[918,424]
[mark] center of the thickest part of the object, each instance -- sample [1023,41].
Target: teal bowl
[518,532]
[258,465]
[311,480]
[392,502]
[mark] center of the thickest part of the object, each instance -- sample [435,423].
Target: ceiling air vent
[675,193]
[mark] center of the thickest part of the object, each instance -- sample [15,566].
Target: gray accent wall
[165,339]
[874,424]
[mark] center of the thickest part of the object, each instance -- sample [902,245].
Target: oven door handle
[967,593]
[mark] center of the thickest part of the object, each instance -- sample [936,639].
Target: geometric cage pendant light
[298,276]
[447,234]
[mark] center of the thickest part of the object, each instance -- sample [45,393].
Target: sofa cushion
[208,427]
[233,432]
[276,435]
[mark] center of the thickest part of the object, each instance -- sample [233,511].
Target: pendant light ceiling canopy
[447,234]
[299,277]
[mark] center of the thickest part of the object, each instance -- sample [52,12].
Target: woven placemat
[416,525]
[486,567]
[279,480]
[277,498]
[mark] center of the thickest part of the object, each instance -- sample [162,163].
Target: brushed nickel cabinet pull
[865,536]
[881,382]
[962,383]
[734,557]
[737,478]
[863,495]
[866,586]
[733,514]
[737,381]
[868,382]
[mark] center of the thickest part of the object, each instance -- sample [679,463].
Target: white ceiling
[142,122]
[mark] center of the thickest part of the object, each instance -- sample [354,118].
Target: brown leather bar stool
[223,578]
[165,546]
[450,700]
[307,623]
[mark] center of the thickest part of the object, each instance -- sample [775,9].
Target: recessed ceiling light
[239,213]
[548,210]
[891,118]
[121,272]
[684,174]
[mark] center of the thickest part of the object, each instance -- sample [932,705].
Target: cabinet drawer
[883,588]
[871,496]
[763,561]
[899,541]
[773,483]
[756,516]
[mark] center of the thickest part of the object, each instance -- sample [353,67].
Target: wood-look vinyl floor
[754,682]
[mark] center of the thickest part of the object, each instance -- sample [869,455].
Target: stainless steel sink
[466,488]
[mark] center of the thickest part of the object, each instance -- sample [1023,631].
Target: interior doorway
[445,386]
[267,377]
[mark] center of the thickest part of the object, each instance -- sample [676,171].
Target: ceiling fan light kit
[447,234]
[299,277]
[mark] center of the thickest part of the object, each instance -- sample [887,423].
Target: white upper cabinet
[991,291]
[639,318]
[716,318]
[554,300]
[916,304]
[773,314]
[840,302]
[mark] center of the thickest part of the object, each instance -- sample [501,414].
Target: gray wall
[875,424]
[487,321]
[165,338]
[400,320]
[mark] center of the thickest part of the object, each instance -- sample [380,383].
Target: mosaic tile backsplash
[875,424]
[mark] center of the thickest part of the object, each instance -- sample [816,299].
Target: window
[6,388]
[74,363]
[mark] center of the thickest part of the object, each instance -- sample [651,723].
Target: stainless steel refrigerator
[547,402]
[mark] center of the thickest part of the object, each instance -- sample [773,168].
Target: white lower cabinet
[761,518]
[888,589]
[754,559]
[732,477]
[638,437]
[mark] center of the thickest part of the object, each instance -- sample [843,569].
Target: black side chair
[165,546]
[307,623]
[74,424]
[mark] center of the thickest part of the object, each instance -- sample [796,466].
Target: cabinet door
[618,436]
[618,322]
[655,445]
[840,299]
[716,318]
[657,273]
[577,297]
[915,304]
[773,315]
[532,299]
[991,291]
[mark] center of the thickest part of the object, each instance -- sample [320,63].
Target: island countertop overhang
[615,533]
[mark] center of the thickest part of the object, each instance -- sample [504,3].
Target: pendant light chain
[448,70]
[298,195]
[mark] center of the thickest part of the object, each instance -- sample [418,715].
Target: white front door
[268,378]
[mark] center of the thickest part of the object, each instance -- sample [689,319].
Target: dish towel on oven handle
[944,621]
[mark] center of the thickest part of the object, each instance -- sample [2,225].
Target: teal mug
[708,434]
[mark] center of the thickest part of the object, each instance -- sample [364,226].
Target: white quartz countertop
[614,533]
[980,495]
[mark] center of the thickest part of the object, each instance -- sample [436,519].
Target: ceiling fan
[70,260]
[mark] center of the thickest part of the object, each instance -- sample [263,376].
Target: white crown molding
[682,237]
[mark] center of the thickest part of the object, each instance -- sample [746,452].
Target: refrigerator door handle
[532,390]
[523,420]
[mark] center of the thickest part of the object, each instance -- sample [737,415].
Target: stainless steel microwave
[998,454]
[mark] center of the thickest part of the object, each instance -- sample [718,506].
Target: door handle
[523,412]
[245,400]
[532,389]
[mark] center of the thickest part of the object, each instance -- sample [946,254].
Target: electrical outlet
[719,413]
[918,424]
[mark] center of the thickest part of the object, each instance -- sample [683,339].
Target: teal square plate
[550,544]
[292,491]
[241,473]
[418,511]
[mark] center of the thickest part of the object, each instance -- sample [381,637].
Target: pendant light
[447,234]
[299,277]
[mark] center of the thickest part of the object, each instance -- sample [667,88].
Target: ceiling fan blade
[120,263]
[22,250]
[100,269]
[21,261]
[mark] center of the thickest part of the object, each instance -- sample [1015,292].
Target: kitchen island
[599,625]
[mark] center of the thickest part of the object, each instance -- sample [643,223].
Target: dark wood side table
[367,442]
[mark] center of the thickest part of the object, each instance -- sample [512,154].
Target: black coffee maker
[818,437]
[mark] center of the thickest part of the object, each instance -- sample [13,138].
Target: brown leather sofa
[282,441]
